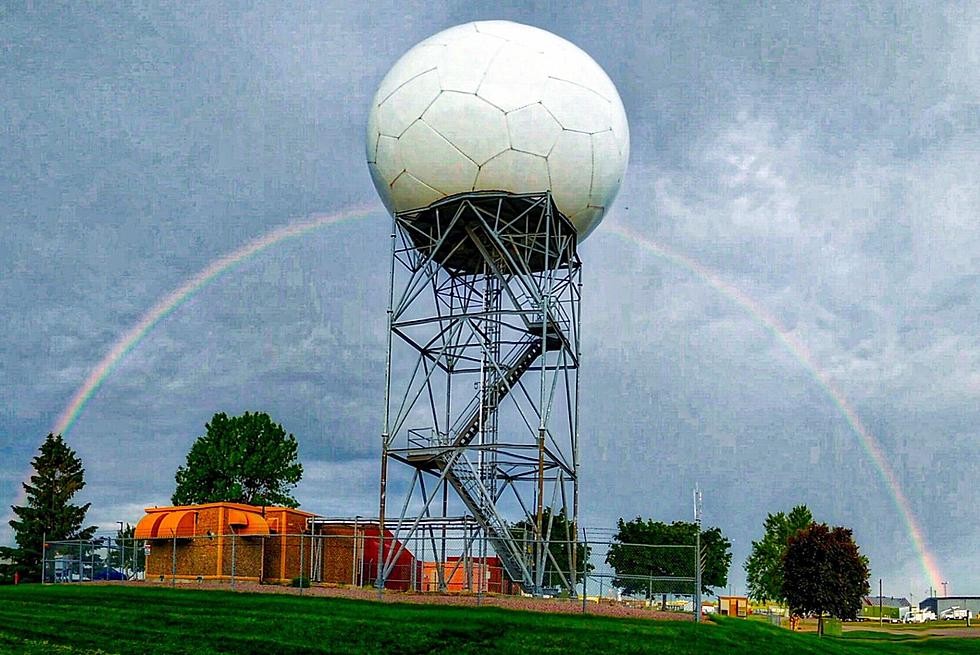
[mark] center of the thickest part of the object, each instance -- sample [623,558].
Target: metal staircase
[495,392]
[467,482]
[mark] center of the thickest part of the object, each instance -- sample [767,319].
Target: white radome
[498,106]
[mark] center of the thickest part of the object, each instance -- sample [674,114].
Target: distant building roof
[887,601]
[952,598]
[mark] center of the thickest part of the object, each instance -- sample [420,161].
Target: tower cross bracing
[482,376]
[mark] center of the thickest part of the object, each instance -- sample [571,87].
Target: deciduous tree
[629,559]
[241,459]
[824,573]
[764,566]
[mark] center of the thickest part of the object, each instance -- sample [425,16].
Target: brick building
[346,552]
[216,541]
[221,541]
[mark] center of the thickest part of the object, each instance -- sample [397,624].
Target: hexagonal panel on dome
[424,58]
[570,167]
[515,78]
[371,143]
[533,129]
[389,160]
[514,170]
[434,161]
[586,220]
[606,168]
[587,75]
[464,61]
[621,129]
[409,191]
[528,36]
[454,114]
[577,108]
[406,105]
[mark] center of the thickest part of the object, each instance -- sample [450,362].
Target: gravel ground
[466,600]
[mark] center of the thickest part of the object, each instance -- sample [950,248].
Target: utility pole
[697,554]
[879,603]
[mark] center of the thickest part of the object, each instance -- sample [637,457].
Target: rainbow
[169,303]
[799,350]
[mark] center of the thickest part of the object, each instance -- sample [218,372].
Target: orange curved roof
[147,527]
[177,524]
[166,525]
[256,525]
[237,517]
[182,522]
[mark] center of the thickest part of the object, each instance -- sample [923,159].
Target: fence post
[173,560]
[301,534]
[697,577]
[353,556]
[585,572]
[44,555]
[414,574]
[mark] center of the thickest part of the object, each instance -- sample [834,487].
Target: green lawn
[75,619]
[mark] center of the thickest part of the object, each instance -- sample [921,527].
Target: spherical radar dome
[498,106]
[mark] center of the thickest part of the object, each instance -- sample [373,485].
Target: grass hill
[79,619]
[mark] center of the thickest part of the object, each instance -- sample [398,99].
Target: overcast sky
[822,159]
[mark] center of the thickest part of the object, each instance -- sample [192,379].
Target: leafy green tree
[764,566]
[559,541]
[630,559]
[241,459]
[824,573]
[58,476]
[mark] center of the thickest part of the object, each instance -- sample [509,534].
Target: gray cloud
[821,161]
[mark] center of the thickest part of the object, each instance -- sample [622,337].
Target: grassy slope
[75,619]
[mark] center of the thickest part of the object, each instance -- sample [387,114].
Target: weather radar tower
[497,148]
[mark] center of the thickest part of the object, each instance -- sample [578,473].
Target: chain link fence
[588,571]
[103,558]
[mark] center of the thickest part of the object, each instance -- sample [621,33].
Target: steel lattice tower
[481,391]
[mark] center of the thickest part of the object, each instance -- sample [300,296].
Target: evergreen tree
[58,476]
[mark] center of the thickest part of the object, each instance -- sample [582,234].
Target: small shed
[467,574]
[346,552]
[733,605]
[221,541]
